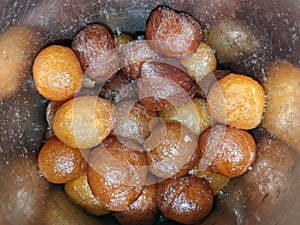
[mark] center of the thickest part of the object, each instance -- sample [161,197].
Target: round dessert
[95,48]
[143,211]
[226,150]
[171,150]
[60,163]
[237,100]
[116,174]
[84,122]
[173,33]
[57,73]
[80,193]
[186,199]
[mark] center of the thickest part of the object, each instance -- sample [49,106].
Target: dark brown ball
[143,211]
[134,54]
[95,48]
[173,33]
[119,88]
[186,200]
[163,86]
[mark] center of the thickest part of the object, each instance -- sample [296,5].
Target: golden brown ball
[57,73]
[60,163]
[116,174]
[237,100]
[226,150]
[84,122]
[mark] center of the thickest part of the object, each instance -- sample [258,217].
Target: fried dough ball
[57,73]
[171,150]
[186,199]
[143,211]
[119,88]
[95,48]
[134,54]
[226,150]
[283,102]
[116,174]
[193,115]
[201,63]
[80,193]
[84,122]
[173,33]
[60,163]
[133,121]
[163,86]
[237,100]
